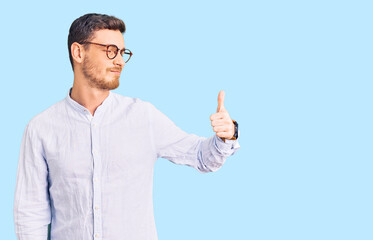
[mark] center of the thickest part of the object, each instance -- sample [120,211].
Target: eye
[113,49]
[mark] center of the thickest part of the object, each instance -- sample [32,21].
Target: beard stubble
[90,73]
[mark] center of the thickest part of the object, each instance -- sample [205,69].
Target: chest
[114,149]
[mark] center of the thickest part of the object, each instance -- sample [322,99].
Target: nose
[119,61]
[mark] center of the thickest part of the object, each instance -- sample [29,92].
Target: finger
[218,122]
[215,116]
[226,134]
[218,129]
[220,101]
[223,135]
[223,128]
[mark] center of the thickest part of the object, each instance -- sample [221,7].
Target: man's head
[89,55]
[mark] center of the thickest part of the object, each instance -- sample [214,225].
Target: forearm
[213,152]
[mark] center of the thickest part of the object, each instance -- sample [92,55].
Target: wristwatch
[235,136]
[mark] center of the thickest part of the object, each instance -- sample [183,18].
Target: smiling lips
[115,71]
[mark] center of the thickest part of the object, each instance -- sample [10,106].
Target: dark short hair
[84,27]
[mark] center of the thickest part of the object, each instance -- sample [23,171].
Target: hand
[221,121]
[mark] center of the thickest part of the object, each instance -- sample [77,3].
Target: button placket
[97,220]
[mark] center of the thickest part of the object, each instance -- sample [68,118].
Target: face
[100,71]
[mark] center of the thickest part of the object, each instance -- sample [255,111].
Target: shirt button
[96,207]
[97,235]
[95,179]
[94,124]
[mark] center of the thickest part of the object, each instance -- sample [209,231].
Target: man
[86,163]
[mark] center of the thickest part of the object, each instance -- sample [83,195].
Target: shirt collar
[83,109]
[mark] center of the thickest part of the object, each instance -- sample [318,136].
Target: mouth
[115,72]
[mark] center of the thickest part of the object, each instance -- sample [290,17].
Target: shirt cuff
[228,147]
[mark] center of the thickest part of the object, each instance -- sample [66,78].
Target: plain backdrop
[297,77]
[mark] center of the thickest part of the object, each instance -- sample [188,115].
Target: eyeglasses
[112,51]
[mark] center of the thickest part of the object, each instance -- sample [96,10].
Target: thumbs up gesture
[221,121]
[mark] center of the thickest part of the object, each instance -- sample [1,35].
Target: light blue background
[297,77]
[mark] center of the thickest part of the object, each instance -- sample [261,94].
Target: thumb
[221,101]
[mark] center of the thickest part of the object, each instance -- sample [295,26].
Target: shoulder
[48,115]
[130,102]
[42,123]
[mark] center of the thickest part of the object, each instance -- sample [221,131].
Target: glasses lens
[112,52]
[126,54]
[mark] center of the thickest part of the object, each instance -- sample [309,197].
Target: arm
[172,143]
[31,203]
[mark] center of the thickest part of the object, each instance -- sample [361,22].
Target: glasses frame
[112,45]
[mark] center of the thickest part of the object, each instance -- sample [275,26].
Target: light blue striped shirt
[91,177]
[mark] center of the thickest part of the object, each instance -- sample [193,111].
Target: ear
[77,52]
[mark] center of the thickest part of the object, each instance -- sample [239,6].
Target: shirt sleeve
[171,142]
[31,202]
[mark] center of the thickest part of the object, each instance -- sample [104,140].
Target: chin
[113,85]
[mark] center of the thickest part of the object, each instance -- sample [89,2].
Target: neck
[88,97]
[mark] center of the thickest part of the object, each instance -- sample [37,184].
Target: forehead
[106,36]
